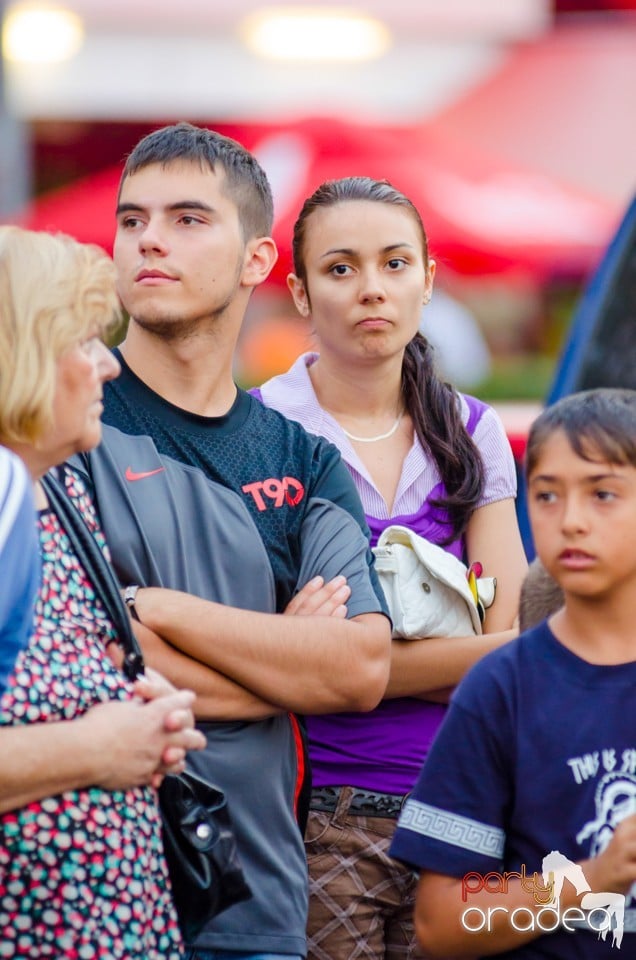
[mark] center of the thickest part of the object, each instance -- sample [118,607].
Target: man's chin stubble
[171,329]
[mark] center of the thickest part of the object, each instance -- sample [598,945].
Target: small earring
[427,297]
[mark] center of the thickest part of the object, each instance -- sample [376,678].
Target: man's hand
[320,599]
[308,670]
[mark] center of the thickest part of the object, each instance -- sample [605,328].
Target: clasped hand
[139,741]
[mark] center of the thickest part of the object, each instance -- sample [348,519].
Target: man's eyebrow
[180,205]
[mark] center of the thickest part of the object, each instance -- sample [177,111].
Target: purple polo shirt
[384,749]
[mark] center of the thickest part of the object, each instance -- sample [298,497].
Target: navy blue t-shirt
[537,754]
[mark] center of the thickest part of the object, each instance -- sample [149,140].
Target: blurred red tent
[483,215]
[560,105]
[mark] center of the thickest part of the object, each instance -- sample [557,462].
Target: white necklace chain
[381,436]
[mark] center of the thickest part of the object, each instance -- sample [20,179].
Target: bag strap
[99,570]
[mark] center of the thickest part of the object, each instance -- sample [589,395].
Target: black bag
[199,843]
[200,849]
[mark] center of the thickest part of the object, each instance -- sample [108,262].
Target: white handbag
[427,589]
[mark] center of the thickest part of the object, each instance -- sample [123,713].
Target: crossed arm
[249,665]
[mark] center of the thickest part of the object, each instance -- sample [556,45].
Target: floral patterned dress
[82,874]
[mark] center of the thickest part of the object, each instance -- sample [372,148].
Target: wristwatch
[130,596]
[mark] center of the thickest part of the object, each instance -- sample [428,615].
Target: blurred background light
[41,34]
[315,33]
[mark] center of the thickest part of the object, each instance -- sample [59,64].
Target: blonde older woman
[82,870]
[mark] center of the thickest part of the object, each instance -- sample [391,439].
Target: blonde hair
[54,292]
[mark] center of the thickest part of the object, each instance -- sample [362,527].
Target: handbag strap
[99,571]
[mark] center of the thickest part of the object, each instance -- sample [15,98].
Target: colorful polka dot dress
[82,874]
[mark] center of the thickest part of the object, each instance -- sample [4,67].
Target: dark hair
[540,596]
[245,180]
[433,405]
[599,424]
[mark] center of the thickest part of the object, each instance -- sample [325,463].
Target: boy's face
[583,517]
[179,249]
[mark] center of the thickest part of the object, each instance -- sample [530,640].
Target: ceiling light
[41,34]
[314,33]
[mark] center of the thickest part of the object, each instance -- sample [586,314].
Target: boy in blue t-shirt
[522,822]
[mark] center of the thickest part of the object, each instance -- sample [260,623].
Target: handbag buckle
[133,665]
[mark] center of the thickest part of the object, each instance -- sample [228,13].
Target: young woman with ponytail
[424,456]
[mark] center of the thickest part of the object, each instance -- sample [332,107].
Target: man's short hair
[245,181]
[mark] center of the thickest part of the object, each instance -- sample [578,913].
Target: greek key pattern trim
[450,828]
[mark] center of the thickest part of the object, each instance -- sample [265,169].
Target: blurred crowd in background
[509,124]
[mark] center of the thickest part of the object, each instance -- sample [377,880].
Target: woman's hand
[135,742]
[151,686]
[320,599]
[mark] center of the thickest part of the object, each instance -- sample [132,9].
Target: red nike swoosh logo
[131,475]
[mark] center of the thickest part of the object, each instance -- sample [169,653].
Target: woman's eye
[396,263]
[340,269]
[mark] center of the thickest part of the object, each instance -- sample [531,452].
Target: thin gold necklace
[381,436]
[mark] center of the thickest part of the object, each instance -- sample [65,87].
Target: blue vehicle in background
[601,347]
[600,350]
